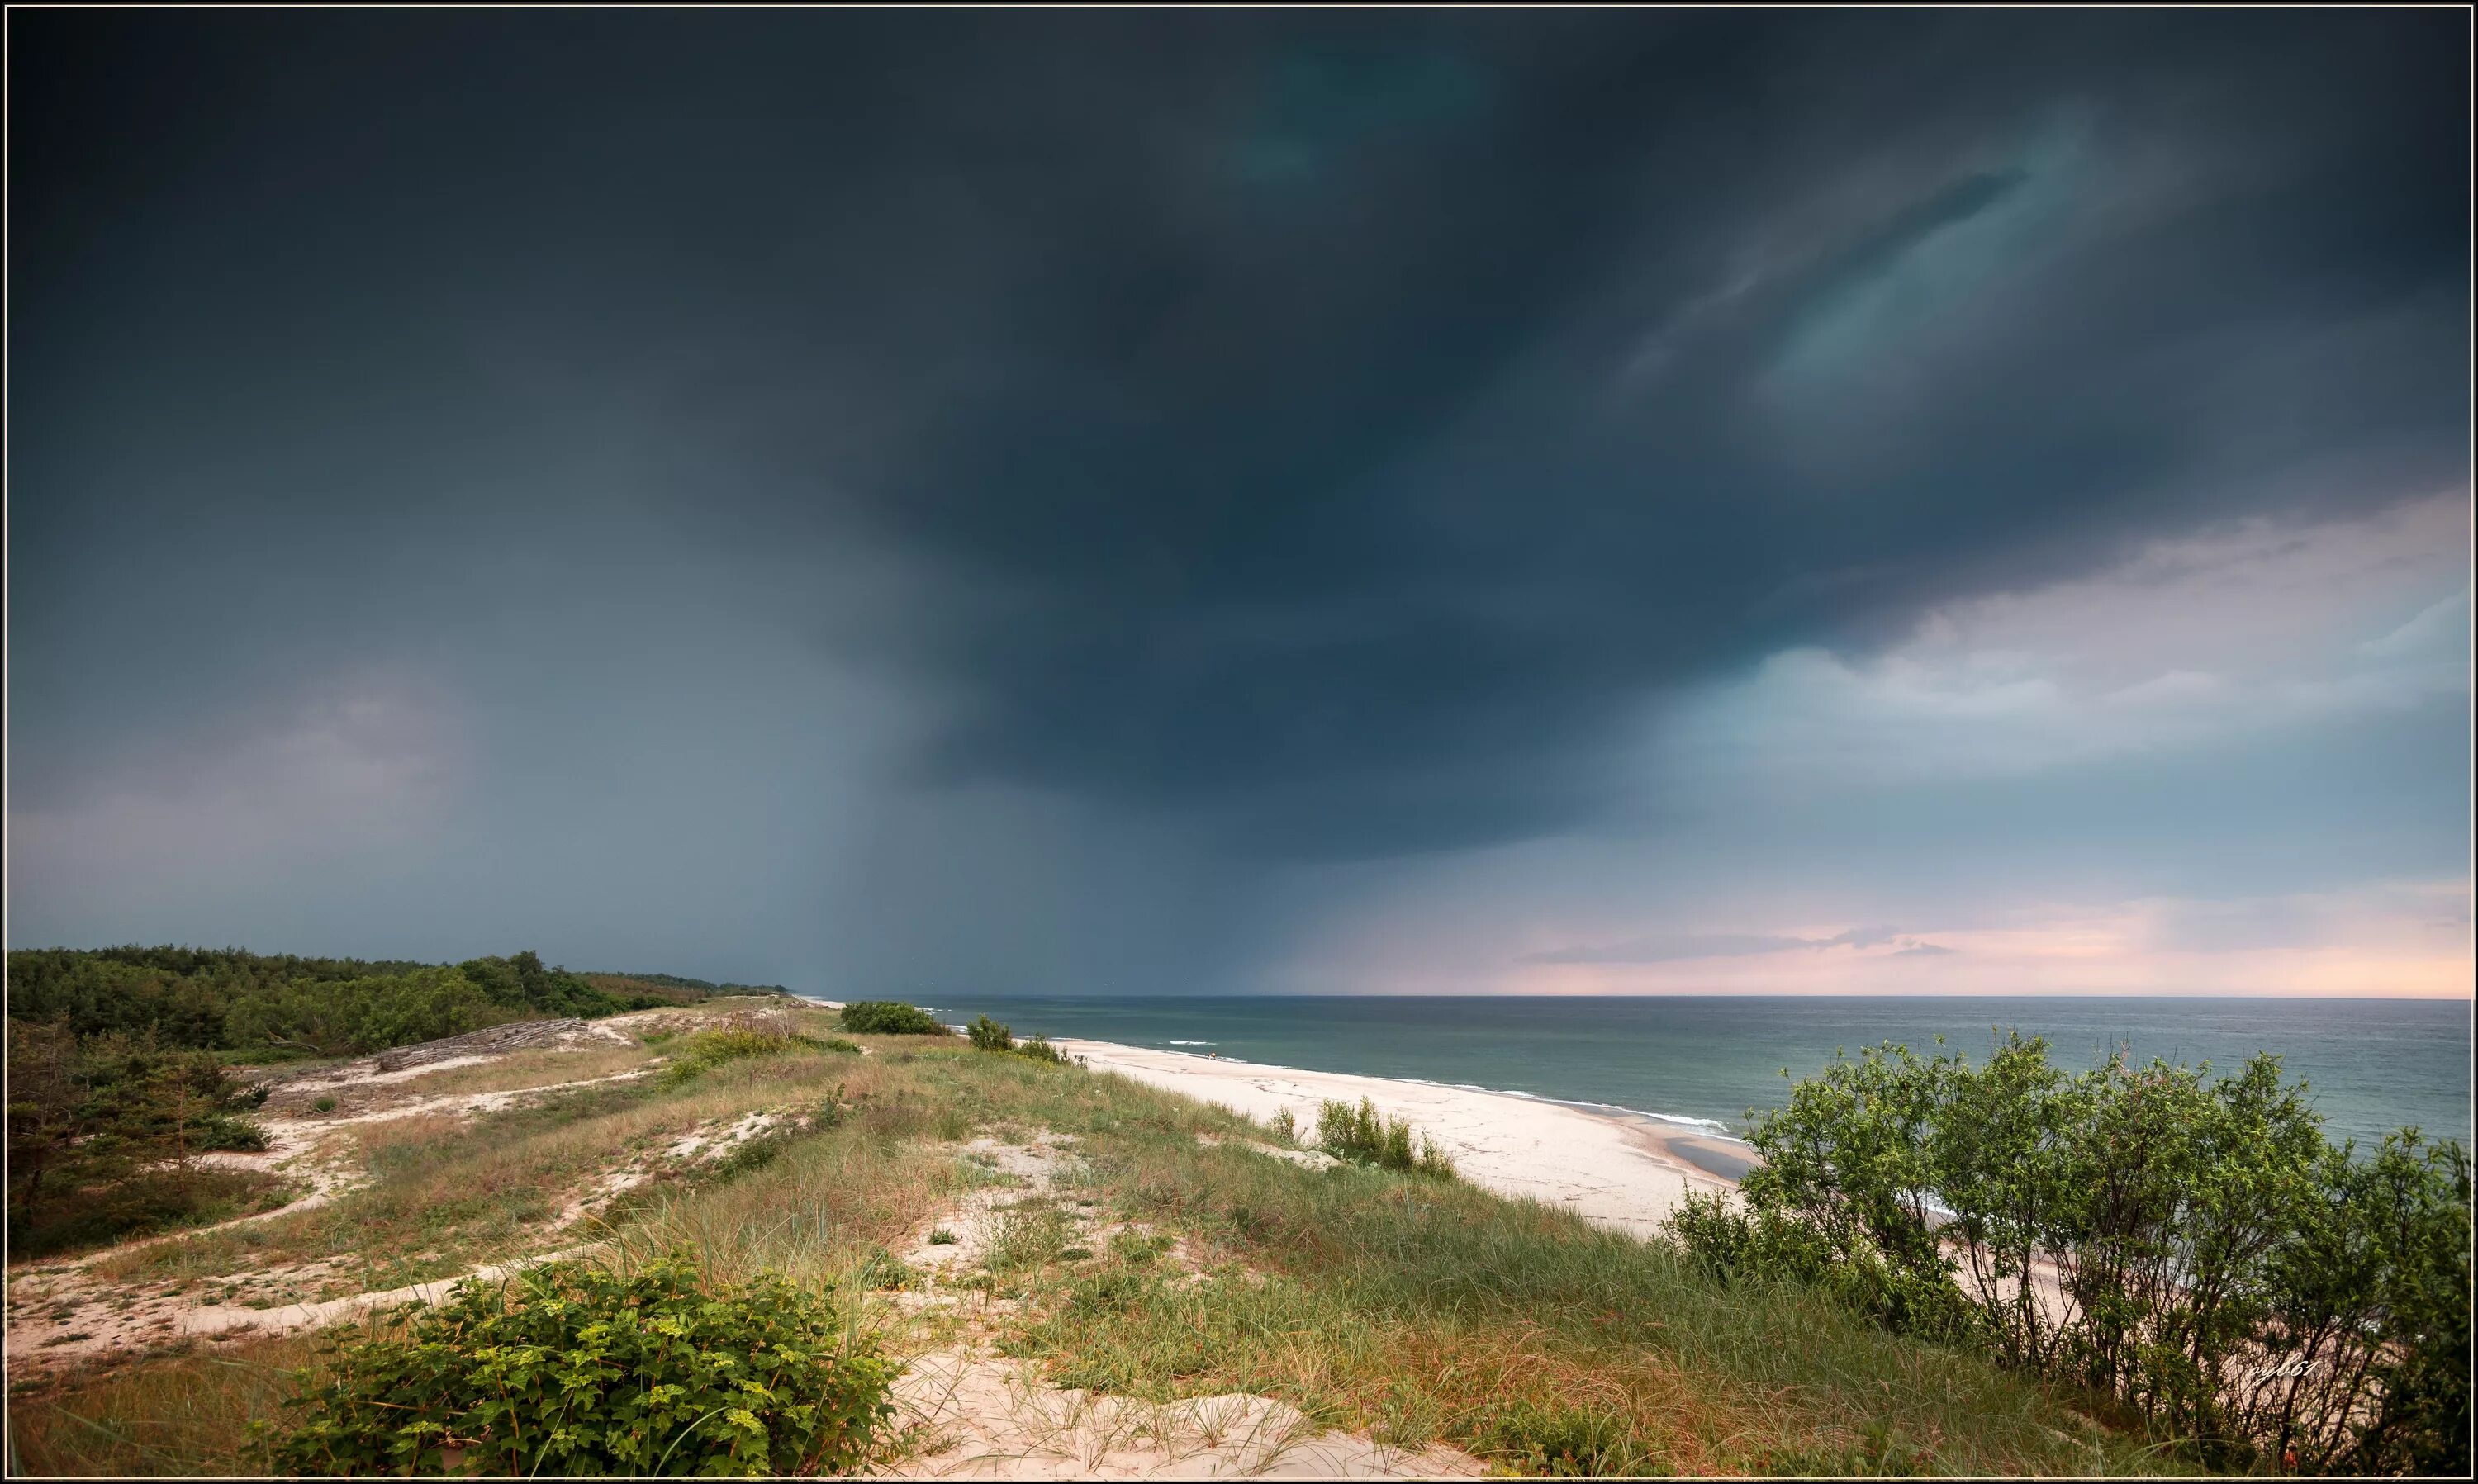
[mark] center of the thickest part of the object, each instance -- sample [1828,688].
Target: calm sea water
[2371,1065]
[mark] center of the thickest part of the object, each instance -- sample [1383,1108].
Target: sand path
[978,1414]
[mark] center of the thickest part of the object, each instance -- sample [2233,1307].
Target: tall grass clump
[1364,1135]
[2193,1247]
[706,1050]
[988,1034]
[181,1414]
[574,1369]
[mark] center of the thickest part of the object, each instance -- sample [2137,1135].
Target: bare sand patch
[990,1418]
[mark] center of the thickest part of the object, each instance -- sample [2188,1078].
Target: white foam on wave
[1195,1042]
[1713,1126]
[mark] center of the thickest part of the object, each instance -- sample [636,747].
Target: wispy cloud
[1673,947]
[2396,938]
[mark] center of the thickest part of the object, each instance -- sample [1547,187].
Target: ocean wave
[1195,1042]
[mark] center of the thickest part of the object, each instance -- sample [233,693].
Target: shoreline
[1623,1171]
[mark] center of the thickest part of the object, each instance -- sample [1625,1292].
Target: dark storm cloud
[1313,514]
[1312,435]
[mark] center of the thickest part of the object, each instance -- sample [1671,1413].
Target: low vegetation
[2194,1248]
[572,1368]
[890,1018]
[739,1037]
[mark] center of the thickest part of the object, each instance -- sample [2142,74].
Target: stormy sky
[1244,502]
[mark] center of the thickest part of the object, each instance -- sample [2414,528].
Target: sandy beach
[1623,1173]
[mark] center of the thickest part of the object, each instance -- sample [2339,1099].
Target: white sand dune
[1605,1169]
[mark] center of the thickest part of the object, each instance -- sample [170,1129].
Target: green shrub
[1040,1049]
[989,1035]
[1366,1137]
[231,1131]
[104,1132]
[1768,1244]
[2209,1259]
[889,1017]
[571,1369]
[325,1102]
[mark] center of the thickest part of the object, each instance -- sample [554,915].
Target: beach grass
[1415,1309]
[184,1412]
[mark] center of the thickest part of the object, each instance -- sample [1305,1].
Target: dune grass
[1414,1308]
[177,1414]
[528,1070]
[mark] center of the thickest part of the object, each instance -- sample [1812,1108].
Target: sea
[2371,1065]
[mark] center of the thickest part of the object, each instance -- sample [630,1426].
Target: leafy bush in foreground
[571,1369]
[2194,1246]
[1040,1049]
[889,1017]
[1366,1137]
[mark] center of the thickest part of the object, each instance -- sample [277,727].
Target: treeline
[278,1005]
[2192,1249]
[695,989]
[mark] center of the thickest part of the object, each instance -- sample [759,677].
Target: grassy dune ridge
[1413,1309]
